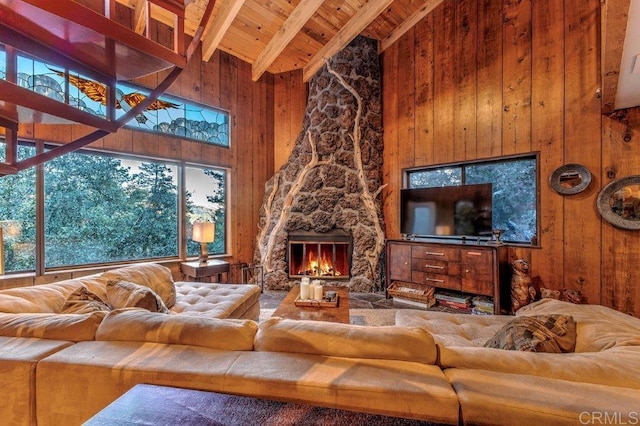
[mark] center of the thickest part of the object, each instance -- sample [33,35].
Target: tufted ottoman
[217,300]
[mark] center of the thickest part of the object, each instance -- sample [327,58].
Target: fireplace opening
[321,256]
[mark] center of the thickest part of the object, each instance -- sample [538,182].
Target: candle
[304,289]
[317,291]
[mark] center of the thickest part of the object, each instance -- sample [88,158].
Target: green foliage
[99,209]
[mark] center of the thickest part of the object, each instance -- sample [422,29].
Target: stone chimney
[333,179]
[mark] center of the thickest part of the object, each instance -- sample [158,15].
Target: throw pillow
[157,277]
[124,294]
[84,301]
[540,333]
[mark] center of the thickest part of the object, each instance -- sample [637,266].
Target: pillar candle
[317,292]
[304,290]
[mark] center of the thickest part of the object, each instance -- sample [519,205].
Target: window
[168,115]
[205,196]
[102,208]
[18,214]
[515,191]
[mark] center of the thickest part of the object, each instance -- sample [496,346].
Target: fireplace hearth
[319,255]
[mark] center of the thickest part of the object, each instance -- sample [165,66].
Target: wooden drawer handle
[434,267]
[474,253]
[434,280]
[431,253]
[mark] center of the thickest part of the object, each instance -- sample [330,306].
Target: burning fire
[320,267]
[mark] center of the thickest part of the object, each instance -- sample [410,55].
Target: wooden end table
[288,309]
[204,273]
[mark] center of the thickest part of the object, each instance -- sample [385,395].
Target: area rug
[376,317]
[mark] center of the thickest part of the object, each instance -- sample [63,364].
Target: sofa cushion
[71,327]
[83,301]
[137,325]
[123,294]
[490,398]
[48,297]
[540,333]
[454,329]
[597,327]
[156,277]
[346,340]
[215,300]
[18,360]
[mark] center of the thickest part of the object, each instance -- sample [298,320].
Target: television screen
[449,211]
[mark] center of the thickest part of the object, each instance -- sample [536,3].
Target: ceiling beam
[358,22]
[294,23]
[408,23]
[217,27]
[614,16]
[140,14]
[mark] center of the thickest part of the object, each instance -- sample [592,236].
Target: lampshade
[204,232]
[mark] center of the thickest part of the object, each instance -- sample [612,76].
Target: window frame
[181,165]
[406,173]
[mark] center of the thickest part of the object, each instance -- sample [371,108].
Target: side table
[204,273]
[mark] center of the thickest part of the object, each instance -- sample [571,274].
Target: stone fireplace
[324,256]
[324,205]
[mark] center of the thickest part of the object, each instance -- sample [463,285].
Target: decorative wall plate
[570,179]
[619,202]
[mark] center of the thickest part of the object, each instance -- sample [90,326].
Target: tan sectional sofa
[62,369]
[599,383]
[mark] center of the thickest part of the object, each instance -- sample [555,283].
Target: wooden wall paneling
[466,49]
[424,91]
[283,138]
[406,100]
[210,80]
[390,166]
[582,145]
[547,111]
[229,101]
[621,248]
[245,154]
[169,147]
[516,122]
[443,82]
[489,79]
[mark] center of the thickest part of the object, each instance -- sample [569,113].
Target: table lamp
[204,233]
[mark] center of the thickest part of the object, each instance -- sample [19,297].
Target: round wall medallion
[619,202]
[570,179]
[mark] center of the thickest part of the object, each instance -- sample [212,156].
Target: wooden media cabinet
[467,267]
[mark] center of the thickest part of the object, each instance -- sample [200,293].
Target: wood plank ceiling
[285,35]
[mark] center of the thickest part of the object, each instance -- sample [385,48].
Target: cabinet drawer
[439,267]
[435,252]
[437,280]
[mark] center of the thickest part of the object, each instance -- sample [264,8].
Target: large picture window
[18,214]
[515,191]
[101,208]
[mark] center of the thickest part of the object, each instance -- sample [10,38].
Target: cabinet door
[399,256]
[478,271]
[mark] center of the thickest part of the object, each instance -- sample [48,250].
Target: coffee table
[288,309]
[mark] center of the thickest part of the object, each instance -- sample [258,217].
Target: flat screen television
[447,212]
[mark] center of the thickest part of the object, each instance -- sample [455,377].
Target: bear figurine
[522,290]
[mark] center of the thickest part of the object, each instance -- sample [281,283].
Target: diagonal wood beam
[215,31]
[409,23]
[614,16]
[358,22]
[140,14]
[294,23]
